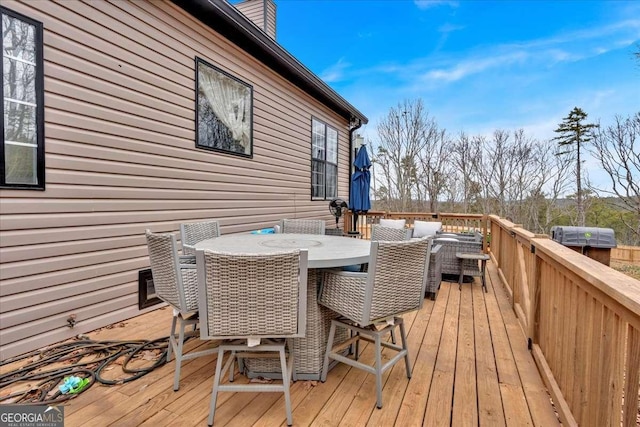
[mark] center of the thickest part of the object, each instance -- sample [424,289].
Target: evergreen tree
[573,133]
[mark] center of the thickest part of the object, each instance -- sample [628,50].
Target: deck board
[470,365]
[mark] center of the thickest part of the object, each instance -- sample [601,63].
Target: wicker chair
[175,282]
[450,263]
[394,284]
[333,232]
[392,223]
[435,272]
[474,237]
[247,298]
[389,234]
[194,232]
[302,226]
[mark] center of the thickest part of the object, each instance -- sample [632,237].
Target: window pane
[317,179]
[19,80]
[332,145]
[20,164]
[317,140]
[18,39]
[19,123]
[332,181]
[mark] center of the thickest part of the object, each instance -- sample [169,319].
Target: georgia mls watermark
[31,416]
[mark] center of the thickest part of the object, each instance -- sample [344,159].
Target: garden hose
[85,361]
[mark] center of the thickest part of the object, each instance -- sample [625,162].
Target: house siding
[257,11]
[121,158]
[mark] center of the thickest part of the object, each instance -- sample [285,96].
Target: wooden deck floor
[471,367]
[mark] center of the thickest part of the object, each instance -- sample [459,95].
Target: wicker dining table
[324,252]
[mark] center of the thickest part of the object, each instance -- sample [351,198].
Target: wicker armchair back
[394,284]
[174,277]
[389,234]
[194,232]
[302,226]
[450,263]
[252,295]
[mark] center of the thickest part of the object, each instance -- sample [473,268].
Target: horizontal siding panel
[38,327]
[47,265]
[63,333]
[20,206]
[93,111]
[43,296]
[26,253]
[53,279]
[68,234]
[113,94]
[137,79]
[111,44]
[99,159]
[17,321]
[17,222]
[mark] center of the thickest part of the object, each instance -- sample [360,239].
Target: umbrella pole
[355,221]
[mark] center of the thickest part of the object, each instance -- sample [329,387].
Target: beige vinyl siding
[121,157]
[270,28]
[255,11]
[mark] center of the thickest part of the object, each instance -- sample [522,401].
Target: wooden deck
[471,367]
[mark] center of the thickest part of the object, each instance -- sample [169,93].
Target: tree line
[419,166]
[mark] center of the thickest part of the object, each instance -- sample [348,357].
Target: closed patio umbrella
[359,200]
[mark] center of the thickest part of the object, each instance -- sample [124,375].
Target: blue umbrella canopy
[359,200]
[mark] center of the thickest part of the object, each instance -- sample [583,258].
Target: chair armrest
[344,292]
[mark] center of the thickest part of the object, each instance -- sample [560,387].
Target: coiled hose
[85,358]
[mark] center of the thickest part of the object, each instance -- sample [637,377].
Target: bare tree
[434,167]
[549,183]
[403,135]
[617,148]
[466,157]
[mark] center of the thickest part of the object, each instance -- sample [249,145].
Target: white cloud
[335,72]
[427,4]
[473,66]
[449,28]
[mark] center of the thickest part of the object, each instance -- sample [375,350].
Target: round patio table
[323,252]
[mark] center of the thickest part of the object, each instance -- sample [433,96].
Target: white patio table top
[324,251]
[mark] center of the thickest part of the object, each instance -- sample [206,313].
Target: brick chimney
[260,12]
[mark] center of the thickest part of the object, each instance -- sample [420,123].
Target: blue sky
[477,65]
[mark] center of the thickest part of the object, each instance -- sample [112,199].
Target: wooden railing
[582,318]
[450,221]
[583,323]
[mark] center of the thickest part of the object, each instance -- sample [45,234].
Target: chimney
[262,13]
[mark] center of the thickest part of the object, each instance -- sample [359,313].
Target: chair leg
[179,348]
[393,335]
[325,365]
[286,378]
[172,337]
[357,346]
[232,367]
[403,337]
[484,268]
[378,371]
[292,369]
[216,385]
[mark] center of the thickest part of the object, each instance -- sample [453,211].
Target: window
[324,161]
[22,151]
[224,121]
